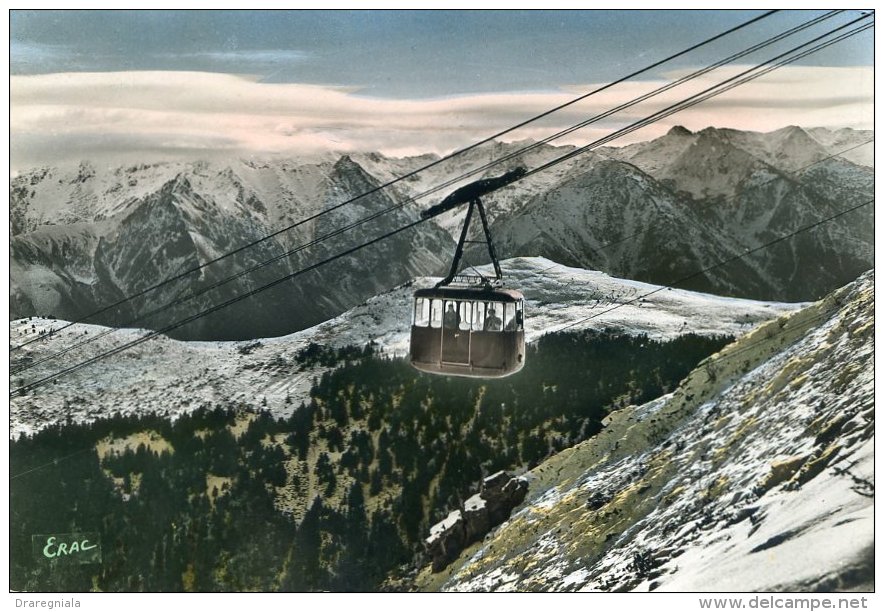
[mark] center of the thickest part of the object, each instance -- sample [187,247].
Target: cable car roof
[470,293]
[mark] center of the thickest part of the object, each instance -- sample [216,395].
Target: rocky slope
[756,474]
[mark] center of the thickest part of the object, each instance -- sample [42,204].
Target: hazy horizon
[202,84]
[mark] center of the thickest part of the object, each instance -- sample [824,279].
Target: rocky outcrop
[500,493]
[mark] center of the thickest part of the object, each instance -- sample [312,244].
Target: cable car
[469,325]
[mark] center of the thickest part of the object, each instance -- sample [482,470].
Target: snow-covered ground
[558,298]
[171,377]
[756,474]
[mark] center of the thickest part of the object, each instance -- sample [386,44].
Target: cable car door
[456,320]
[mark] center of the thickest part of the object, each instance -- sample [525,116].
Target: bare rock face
[477,521]
[447,539]
[501,492]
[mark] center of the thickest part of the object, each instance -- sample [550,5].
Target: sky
[108,85]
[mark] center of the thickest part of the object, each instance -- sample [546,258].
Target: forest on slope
[340,495]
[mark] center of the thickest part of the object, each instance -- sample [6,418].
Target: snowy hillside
[756,474]
[171,377]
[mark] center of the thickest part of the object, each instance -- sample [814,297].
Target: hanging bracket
[472,193]
[458,252]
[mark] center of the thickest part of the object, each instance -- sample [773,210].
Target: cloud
[72,116]
[258,56]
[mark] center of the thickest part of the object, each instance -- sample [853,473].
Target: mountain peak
[179,183]
[679,130]
[345,162]
[348,171]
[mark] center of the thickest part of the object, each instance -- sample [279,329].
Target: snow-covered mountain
[714,161]
[614,217]
[113,234]
[86,236]
[167,376]
[756,474]
[504,200]
[662,210]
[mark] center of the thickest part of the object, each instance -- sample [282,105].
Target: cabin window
[465,310]
[520,315]
[436,314]
[478,321]
[509,316]
[421,312]
[493,314]
[450,316]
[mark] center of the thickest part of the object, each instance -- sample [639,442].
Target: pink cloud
[229,114]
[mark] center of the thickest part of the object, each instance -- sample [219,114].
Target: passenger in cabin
[451,320]
[492,321]
[515,323]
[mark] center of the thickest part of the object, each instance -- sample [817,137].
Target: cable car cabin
[473,328]
[476,332]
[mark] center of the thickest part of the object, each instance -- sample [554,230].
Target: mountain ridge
[182,224]
[638,197]
[647,224]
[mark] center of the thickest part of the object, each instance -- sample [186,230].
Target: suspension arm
[473,191]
